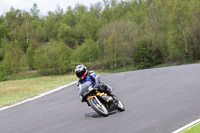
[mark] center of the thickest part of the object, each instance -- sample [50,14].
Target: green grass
[195,129]
[23,75]
[17,90]
[14,91]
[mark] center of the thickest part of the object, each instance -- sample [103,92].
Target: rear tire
[98,106]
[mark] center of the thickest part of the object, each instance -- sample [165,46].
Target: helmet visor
[80,74]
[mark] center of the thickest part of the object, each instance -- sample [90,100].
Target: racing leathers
[92,79]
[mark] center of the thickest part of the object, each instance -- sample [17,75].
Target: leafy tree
[70,18]
[120,38]
[38,31]
[178,19]
[53,58]
[192,33]
[87,27]
[13,21]
[155,30]
[23,35]
[13,62]
[66,34]
[96,10]
[52,24]
[79,10]
[106,16]
[3,29]
[35,11]
[144,57]
[5,46]
[31,51]
[112,50]
[136,11]
[114,33]
[3,34]
[88,52]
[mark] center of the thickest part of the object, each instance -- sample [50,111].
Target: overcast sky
[43,5]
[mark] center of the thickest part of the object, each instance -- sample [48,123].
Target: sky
[43,5]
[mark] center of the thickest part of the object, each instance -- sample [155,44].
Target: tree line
[108,35]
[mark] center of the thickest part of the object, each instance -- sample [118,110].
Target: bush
[117,40]
[89,51]
[2,74]
[145,57]
[53,58]
[13,62]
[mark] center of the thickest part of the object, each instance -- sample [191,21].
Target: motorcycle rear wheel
[98,106]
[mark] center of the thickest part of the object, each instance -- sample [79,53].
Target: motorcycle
[101,102]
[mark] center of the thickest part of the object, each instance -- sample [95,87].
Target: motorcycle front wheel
[120,105]
[98,106]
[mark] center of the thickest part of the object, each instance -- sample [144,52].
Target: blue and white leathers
[87,81]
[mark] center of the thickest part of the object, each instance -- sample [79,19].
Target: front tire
[120,105]
[98,106]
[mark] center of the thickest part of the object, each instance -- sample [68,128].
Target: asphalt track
[157,101]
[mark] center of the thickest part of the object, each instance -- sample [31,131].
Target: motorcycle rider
[85,76]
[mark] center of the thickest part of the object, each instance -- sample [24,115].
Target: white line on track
[187,126]
[41,95]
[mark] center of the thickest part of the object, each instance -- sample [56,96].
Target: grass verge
[195,129]
[17,90]
[14,91]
